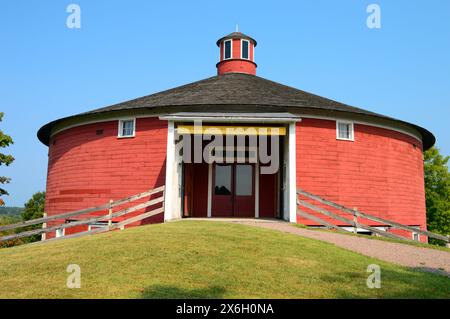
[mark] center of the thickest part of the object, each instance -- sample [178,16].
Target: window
[223,180]
[127,128]
[244,180]
[60,232]
[344,131]
[97,225]
[245,49]
[227,49]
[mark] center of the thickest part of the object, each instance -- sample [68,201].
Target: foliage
[34,208]
[6,220]
[5,141]
[437,190]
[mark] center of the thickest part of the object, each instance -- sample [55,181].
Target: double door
[233,193]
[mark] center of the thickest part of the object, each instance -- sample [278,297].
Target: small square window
[127,128]
[344,131]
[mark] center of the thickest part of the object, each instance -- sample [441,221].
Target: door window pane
[244,180]
[222,180]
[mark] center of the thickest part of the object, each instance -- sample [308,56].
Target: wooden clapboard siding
[381,172]
[86,169]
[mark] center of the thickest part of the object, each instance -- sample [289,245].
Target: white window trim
[242,46]
[119,133]
[352,131]
[231,49]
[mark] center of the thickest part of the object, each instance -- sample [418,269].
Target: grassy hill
[201,259]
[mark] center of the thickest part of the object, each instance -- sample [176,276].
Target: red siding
[86,169]
[380,173]
[236,48]
[241,66]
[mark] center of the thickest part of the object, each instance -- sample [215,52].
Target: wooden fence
[91,219]
[356,214]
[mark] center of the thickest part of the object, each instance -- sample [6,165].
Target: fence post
[448,243]
[110,211]
[355,220]
[44,225]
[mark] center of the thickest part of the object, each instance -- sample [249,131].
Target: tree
[437,192]
[34,208]
[5,141]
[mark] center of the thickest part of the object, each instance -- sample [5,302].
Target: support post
[110,211]
[292,171]
[355,220]
[169,194]
[44,225]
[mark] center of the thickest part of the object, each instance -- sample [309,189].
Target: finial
[237,27]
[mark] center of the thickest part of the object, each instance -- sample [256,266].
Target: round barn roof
[214,94]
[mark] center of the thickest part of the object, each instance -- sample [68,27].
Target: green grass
[201,259]
[392,240]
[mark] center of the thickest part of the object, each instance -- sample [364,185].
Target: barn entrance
[241,179]
[226,169]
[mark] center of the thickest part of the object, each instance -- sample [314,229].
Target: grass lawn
[201,259]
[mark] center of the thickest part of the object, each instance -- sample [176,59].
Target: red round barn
[347,155]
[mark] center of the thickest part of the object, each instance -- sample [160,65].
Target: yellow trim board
[231,130]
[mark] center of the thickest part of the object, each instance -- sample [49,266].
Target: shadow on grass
[420,284]
[163,292]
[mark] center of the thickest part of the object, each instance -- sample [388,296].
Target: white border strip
[241,119]
[341,119]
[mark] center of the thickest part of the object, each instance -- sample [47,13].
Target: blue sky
[127,49]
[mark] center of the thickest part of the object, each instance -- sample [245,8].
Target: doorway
[233,190]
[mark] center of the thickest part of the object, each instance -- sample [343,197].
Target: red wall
[241,66]
[86,169]
[380,173]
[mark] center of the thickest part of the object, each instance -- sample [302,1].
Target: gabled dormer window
[245,49]
[227,49]
[127,128]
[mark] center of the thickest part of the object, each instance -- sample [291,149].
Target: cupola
[237,53]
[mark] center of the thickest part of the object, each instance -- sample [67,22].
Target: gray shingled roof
[235,89]
[237,35]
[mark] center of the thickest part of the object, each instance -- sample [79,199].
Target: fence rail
[107,217]
[356,213]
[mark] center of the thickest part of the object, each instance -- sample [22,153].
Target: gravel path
[427,259]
